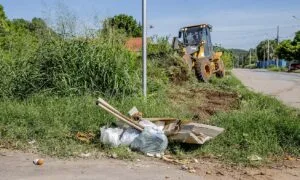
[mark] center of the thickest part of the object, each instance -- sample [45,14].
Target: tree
[227,56]
[262,49]
[123,23]
[288,49]
[3,21]
[239,56]
[253,56]
[37,24]
[297,37]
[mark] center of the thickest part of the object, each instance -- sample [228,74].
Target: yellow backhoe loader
[194,45]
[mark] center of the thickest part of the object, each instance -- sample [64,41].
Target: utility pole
[277,35]
[264,58]
[277,59]
[250,57]
[144,19]
[268,49]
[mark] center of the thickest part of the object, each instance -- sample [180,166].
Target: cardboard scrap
[194,133]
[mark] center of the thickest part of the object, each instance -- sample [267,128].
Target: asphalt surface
[284,86]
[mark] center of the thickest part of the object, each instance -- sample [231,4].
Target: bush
[250,66]
[277,69]
[159,47]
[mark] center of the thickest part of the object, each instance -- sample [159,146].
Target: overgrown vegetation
[262,126]
[227,56]
[289,49]
[250,66]
[277,69]
[49,84]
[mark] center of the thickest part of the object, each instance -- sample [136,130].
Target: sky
[236,23]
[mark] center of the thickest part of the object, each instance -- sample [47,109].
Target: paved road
[284,86]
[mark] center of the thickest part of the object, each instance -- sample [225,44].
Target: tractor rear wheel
[203,69]
[221,69]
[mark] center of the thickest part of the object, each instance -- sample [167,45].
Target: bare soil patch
[203,103]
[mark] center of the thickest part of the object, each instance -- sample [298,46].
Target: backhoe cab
[194,45]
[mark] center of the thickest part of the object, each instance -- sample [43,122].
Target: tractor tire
[221,69]
[203,69]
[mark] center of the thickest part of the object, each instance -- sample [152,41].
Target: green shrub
[277,69]
[250,66]
[160,48]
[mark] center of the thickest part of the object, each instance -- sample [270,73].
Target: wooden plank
[114,111]
[160,119]
[120,117]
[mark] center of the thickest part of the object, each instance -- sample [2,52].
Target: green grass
[54,121]
[261,126]
[277,69]
[250,66]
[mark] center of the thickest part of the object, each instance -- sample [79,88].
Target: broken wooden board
[194,133]
[161,119]
[172,127]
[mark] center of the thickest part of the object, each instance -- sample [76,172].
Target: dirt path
[284,86]
[19,166]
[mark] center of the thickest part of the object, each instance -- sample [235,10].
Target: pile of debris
[151,135]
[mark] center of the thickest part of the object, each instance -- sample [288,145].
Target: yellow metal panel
[201,52]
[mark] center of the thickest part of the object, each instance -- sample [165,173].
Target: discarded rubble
[151,135]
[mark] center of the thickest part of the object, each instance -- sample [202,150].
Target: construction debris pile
[151,135]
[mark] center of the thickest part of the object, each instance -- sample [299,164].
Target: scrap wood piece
[160,119]
[172,127]
[104,105]
[135,114]
[130,123]
[171,159]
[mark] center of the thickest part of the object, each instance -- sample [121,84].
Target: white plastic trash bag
[111,136]
[128,136]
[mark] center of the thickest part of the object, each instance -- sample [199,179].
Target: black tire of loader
[203,69]
[221,70]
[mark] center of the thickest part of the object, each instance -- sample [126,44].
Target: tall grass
[72,66]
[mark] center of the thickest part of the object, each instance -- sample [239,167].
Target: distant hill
[239,56]
[239,52]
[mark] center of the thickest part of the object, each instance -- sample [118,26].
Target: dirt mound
[204,103]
